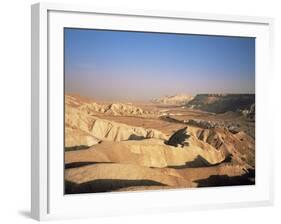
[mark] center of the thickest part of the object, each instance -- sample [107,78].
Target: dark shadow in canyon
[135,137]
[198,162]
[80,164]
[225,180]
[76,148]
[106,185]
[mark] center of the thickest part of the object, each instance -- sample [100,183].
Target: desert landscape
[157,111]
[179,141]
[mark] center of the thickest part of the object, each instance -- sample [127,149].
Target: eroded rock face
[113,131]
[89,130]
[232,127]
[76,137]
[151,164]
[116,109]
[201,123]
[221,103]
[211,137]
[105,155]
[148,153]
[240,146]
[180,99]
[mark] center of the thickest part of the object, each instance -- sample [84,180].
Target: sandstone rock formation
[116,109]
[180,99]
[90,129]
[151,164]
[102,155]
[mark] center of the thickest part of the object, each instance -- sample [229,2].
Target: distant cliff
[221,103]
[180,99]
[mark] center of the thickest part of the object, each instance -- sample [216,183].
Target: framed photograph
[148,111]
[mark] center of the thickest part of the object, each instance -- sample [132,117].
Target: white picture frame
[48,200]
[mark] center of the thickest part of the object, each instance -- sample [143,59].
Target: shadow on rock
[225,180]
[198,162]
[106,185]
[80,164]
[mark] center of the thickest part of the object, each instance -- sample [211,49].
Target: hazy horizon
[138,66]
[146,100]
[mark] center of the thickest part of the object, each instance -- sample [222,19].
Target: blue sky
[120,65]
